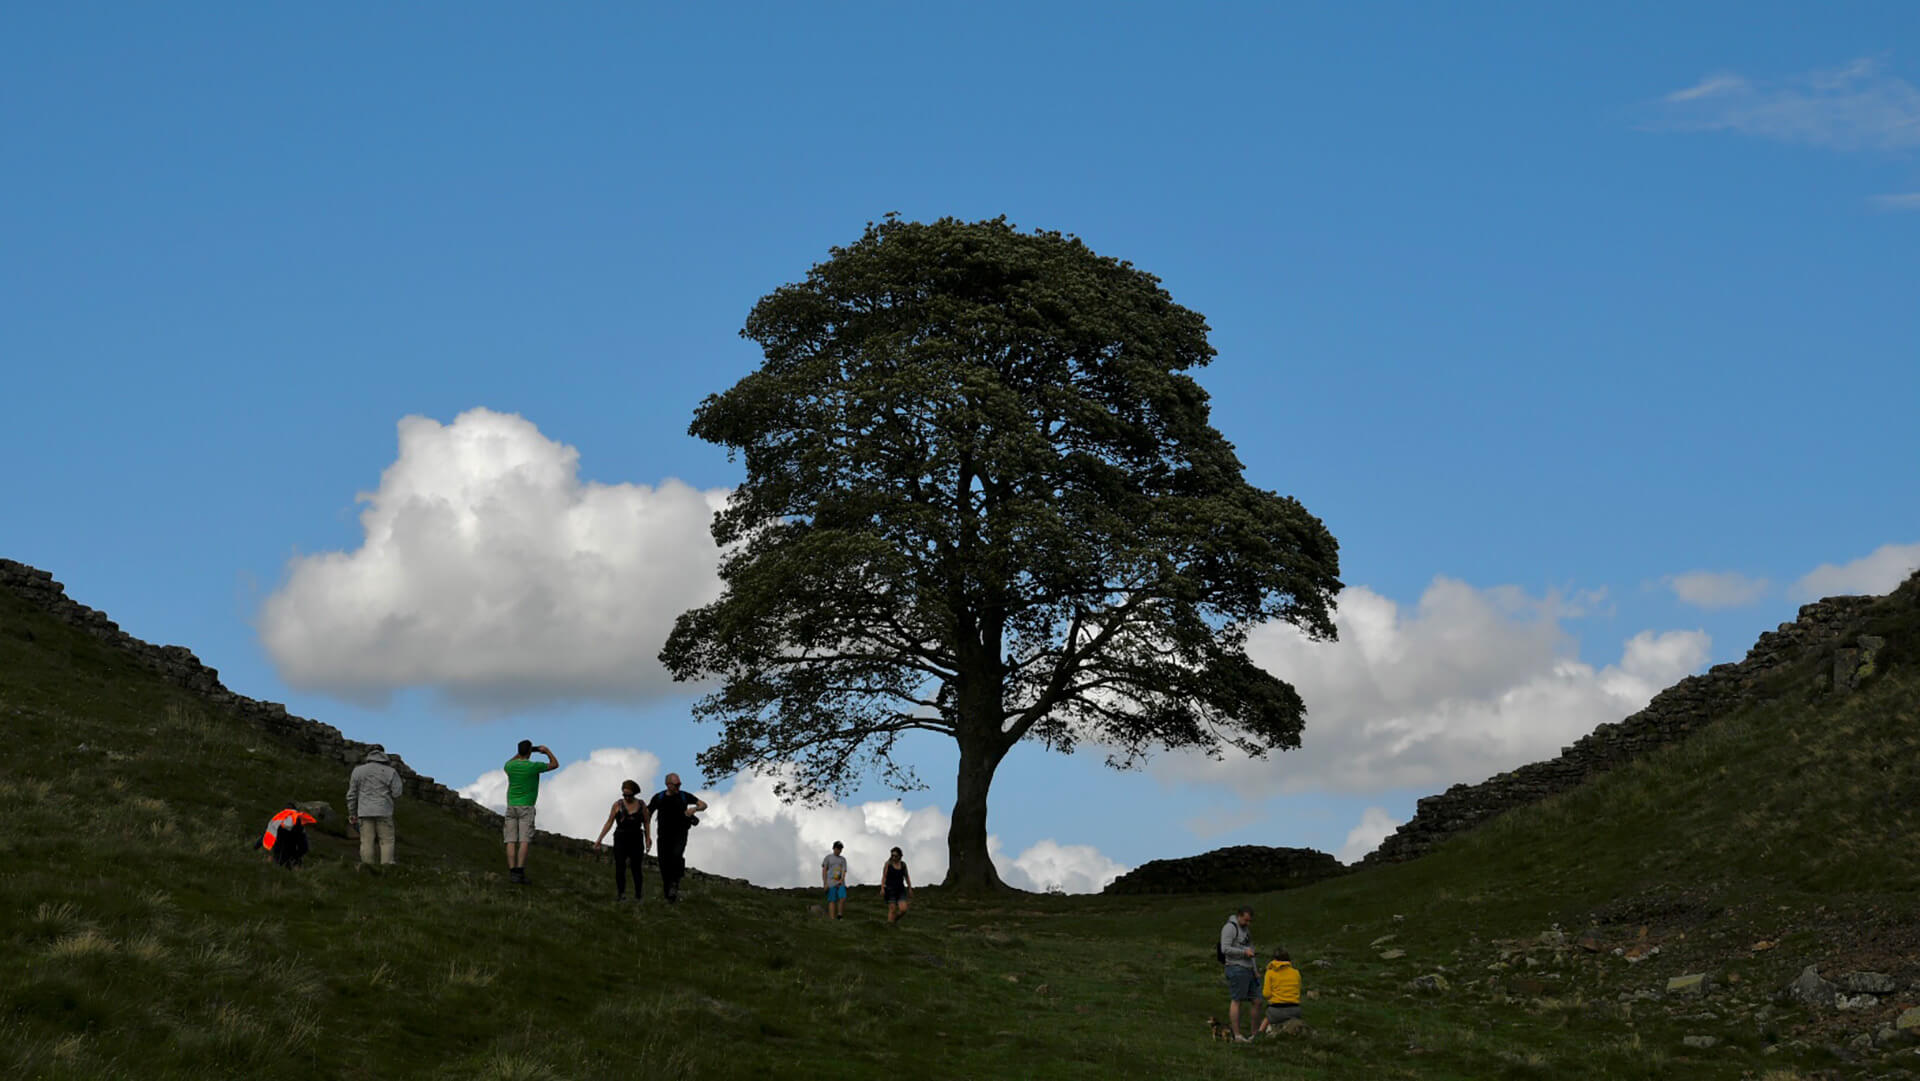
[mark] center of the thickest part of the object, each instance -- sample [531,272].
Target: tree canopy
[983,498]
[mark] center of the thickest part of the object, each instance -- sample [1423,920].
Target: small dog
[1220,1031]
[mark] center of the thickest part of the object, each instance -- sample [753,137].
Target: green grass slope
[142,937]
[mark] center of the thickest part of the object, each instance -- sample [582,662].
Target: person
[1236,954]
[372,789]
[833,875]
[673,815]
[629,838]
[1281,988]
[523,791]
[286,836]
[896,886]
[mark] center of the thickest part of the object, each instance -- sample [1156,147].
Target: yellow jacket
[1282,984]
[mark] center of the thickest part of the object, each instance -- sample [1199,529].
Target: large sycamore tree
[983,498]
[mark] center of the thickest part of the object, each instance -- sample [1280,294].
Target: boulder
[1701,1042]
[1866,983]
[1908,1021]
[1691,984]
[1810,989]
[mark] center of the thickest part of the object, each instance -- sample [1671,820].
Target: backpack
[1219,955]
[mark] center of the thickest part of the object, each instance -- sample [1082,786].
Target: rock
[1392,955]
[1241,869]
[1763,945]
[318,808]
[1295,1027]
[1636,954]
[1701,1042]
[1431,983]
[1854,1002]
[1321,962]
[1909,1021]
[1590,943]
[1043,989]
[1555,937]
[1381,941]
[1885,1035]
[816,910]
[1866,983]
[1693,984]
[1810,989]
[1862,1042]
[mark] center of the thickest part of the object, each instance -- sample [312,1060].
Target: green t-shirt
[523,781]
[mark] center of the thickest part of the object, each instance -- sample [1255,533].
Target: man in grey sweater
[371,792]
[1243,982]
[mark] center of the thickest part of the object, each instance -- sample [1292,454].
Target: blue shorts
[836,893]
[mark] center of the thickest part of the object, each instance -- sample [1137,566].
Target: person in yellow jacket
[1281,988]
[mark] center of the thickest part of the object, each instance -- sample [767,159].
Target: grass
[144,938]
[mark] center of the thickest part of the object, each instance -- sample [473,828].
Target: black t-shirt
[670,811]
[894,879]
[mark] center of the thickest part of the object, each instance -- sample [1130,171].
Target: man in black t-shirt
[673,815]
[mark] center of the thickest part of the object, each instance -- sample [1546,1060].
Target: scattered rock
[1321,962]
[1854,1002]
[1392,955]
[1381,941]
[1431,983]
[318,808]
[1590,943]
[1763,945]
[1636,954]
[1295,1027]
[1909,1021]
[1701,1042]
[1555,937]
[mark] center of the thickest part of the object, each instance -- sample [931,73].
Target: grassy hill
[143,938]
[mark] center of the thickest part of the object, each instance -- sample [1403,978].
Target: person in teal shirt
[523,791]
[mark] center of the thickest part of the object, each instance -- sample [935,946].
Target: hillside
[146,939]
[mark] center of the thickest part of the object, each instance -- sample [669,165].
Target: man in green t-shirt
[523,791]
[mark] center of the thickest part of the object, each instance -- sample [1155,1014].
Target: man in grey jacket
[371,792]
[1243,982]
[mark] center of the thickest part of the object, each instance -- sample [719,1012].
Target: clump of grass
[469,975]
[88,943]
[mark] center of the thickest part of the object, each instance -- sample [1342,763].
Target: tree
[984,500]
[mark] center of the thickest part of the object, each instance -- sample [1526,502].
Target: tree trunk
[969,866]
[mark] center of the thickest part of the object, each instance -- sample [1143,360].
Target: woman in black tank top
[896,886]
[628,820]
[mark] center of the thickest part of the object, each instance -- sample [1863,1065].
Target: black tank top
[896,878]
[627,823]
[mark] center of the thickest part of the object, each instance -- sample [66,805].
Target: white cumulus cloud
[1468,683]
[1376,825]
[492,573]
[1879,571]
[1717,589]
[748,832]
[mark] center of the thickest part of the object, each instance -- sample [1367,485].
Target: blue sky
[1537,309]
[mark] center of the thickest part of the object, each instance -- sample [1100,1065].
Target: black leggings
[628,850]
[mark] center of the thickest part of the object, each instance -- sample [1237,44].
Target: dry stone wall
[1829,626]
[178,665]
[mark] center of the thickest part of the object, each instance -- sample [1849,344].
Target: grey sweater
[372,788]
[1235,941]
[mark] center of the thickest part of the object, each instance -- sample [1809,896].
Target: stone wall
[1827,627]
[1242,869]
[178,665]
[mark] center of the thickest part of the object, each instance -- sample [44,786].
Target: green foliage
[983,498]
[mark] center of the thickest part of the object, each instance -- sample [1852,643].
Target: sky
[355,350]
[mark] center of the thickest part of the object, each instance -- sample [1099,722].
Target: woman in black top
[629,838]
[896,886]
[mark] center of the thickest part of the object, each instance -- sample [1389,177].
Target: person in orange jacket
[286,836]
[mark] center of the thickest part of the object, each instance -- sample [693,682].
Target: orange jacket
[288,817]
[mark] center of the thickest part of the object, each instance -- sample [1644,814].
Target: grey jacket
[373,787]
[1235,941]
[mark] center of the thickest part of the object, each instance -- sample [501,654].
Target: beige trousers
[376,831]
